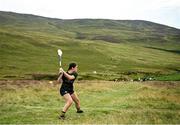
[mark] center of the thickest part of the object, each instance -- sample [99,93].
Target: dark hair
[72,65]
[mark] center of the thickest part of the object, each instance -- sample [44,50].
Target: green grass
[112,48]
[39,102]
[24,55]
[169,77]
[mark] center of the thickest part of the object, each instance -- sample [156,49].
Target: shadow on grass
[166,50]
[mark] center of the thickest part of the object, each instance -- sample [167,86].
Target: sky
[160,11]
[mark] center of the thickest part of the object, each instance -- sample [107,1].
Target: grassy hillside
[115,49]
[38,102]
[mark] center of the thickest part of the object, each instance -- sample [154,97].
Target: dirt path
[168,84]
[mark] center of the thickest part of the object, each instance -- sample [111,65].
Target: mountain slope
[113,48]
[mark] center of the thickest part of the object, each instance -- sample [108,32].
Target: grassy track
[103,102]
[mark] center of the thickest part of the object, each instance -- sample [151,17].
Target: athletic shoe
[80,111]
[62,117]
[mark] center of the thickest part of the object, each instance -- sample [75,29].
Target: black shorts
[64,91]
